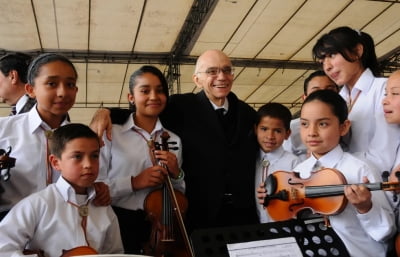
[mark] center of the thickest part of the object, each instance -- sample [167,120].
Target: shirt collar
[21,102]
[36,123]
[363,84]
[130,124]
[225,105]
[272,156]
[68,193]
[329,160]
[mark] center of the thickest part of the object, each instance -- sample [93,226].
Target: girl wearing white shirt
[348,58]
[367,223]
[52,81]
[391,107]
[127,162]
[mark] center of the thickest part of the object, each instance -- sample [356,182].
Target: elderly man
[219,148]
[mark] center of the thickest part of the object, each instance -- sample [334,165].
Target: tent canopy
[269,41]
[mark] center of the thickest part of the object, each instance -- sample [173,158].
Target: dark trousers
[230,216]
[135,229]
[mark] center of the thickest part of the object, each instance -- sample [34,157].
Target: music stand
[313,237]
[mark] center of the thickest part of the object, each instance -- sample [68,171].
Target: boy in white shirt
[272,128]
[63,216]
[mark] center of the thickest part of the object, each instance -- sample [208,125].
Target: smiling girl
[367,222]
[127,163]
[348,57]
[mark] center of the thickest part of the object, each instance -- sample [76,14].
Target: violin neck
[334,190]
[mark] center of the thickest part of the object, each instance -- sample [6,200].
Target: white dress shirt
[46,220]
[372,138]
[363,234]
[25,133]
[278,160]
[294,144]
[128,155]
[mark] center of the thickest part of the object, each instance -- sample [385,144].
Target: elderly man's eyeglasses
[215,71]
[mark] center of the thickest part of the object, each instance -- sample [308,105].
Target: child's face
[271,133]
[320,129]
[391,102]
[55,90]
[320,83]
[79,163]
[6,89]
[148,96]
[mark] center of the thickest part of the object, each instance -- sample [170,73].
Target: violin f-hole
[295,183]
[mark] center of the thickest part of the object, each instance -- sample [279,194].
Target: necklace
[352,102]
[83,211]
[49,175]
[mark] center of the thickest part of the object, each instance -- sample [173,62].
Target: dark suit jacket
[213,162]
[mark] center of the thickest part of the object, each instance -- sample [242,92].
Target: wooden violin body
[6,163]
[80,250]
[77,251]
[322,192]
[165,238]
[165,209]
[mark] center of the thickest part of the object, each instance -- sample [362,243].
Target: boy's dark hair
[334,100]
[39,61]
[64,134]
[275,110]
[15,61]
[317,73]
[344,40]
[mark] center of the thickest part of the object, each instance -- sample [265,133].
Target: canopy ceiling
[269,41]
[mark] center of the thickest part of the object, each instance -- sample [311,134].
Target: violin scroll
[6,163]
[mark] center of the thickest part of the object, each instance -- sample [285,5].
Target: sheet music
[280,247]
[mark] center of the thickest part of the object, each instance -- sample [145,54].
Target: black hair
[43,59]
[317,73]
[344,40]
[15,61]
[147,69]
[64,134]
[333,100]
[275,110]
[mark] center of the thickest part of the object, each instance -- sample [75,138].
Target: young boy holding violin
[62,216]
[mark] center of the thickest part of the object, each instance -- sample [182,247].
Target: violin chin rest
[271,184]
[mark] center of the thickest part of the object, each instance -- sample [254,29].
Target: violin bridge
[293,194]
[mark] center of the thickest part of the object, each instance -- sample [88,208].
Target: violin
[322,192]
[165,208]
[6,163]
[77,251]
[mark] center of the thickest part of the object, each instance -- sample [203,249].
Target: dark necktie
[222,117]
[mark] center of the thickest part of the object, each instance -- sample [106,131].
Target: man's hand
[103,197]
[101,122]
